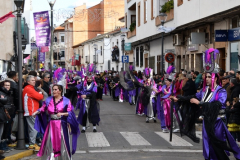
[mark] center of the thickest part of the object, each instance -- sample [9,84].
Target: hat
[226,77]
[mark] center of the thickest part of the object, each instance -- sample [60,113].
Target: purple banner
[41,57]
[42,28]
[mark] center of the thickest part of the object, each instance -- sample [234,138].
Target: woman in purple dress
[56,141]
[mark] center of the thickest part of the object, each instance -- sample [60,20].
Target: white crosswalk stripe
[135,139]
[176,140]
[96,139]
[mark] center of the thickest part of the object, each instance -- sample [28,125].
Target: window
[145,11]
[62,38]
[141,56]
[82,53]
[101,50]
[235,22]
[139,13]
[152,10]
[137,56]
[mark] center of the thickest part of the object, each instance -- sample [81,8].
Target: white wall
[197,9]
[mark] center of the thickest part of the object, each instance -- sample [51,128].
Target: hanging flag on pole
[42,28]
[5,17]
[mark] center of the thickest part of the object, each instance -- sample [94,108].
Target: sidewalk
[17,154]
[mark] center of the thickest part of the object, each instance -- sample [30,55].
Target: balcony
[131,34]
[95,59]
[170,16]
[86,59]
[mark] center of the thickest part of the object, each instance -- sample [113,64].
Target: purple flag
[42,28]
[41,57]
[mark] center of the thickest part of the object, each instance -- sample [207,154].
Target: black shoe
[94,130]
[154,121]
[83,131]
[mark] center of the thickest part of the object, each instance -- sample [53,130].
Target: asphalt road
[124,135]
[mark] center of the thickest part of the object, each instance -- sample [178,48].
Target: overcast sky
[61,6]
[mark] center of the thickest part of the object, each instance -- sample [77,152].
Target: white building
[200,16]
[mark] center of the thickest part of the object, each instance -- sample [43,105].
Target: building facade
[193,34]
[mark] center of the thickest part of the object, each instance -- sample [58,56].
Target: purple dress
[220,129]
[56,141]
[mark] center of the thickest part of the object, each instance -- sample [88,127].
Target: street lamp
[162,18]
[51,3]
[21,140]
[123,44]
[95,48]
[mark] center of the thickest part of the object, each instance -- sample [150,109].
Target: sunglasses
[208,76]
[48,77]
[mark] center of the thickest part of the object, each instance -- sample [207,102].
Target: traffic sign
[125,59]
[54,66]
[169,57]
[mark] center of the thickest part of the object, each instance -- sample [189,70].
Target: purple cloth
[160,112]
[221,133]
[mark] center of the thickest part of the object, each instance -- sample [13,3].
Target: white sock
[94,127]
[84,128]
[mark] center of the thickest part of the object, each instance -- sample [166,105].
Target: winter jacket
[189,88]
[30,98]
[235,91]
[198,80]
[46,88]
[235,114]
[9,96]
[14,88]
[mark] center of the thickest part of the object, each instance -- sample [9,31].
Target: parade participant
[217,141]
[100,84]
[89,108]
[166,101]
[131,93]
[105,87]
[56,141]
[109,80]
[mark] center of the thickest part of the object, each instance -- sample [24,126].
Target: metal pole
[38,50]
[162,54]
[21,139]
[123,41]
[51,47]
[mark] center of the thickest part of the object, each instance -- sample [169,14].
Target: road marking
[199,134]
[96,139]
[176,141]
[135,139]
[141,150]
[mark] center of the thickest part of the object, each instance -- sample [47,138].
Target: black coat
[14,89]
[235,114]
[189,88]
[235,92]
[46,87]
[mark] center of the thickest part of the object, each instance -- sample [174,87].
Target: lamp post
[21,140]
[51,3]
[162,18]
[123,44]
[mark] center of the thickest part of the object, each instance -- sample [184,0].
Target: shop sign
[234,34]
[193,47]
[128,47]
[221,35]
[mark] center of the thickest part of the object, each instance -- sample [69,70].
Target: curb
[20,155]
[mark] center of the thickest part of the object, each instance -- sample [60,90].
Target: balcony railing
[131,34]
[170,16]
